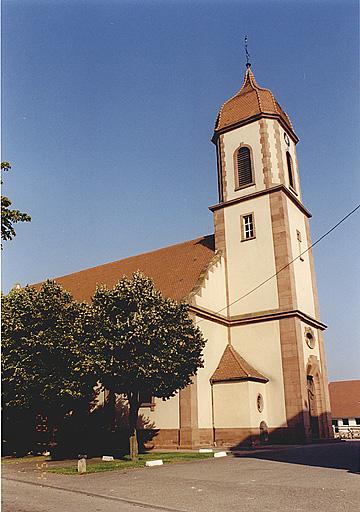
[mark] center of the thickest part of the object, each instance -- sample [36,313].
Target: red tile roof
[233,367]
[250,101]
[345,399]
[174,269]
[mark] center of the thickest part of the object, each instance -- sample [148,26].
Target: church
[251,289]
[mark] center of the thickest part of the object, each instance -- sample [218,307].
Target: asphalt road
[322,478]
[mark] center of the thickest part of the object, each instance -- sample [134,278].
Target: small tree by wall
[145,342]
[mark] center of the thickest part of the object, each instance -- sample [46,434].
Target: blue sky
[108,110]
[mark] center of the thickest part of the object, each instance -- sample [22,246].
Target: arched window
[244,167]
[290,170]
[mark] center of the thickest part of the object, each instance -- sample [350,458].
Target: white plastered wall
[259,345]
[216,336]
[256,417]
[212,295]
[251,261]
[165,413]
[231,405]
[250,135]
[302,270]
[235,404]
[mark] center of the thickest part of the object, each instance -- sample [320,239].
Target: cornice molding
[259,193]
[252,119]
[261,316]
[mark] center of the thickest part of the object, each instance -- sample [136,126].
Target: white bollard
[150,463]
[107,458]
[205,450]
[220,454]
[82,465]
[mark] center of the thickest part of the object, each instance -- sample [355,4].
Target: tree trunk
[133,417]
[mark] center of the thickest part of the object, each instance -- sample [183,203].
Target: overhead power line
[290,262]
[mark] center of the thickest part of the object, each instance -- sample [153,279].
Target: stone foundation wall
[224,437]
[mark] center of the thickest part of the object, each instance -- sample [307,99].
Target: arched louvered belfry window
[290,170]
[244,167]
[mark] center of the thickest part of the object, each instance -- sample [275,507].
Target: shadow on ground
[344,455]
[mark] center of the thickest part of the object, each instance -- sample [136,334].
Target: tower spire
[247,54]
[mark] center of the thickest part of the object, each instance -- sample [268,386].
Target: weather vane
[247,53]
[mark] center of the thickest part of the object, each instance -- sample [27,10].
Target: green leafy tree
[147,344]
[9,217]
[47,364]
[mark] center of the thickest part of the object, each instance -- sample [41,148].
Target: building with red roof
[250,287]
[345,407]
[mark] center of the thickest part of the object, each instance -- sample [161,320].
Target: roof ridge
[249,76]
[258,98]
[258,88]
[239,360]
[279,109]
[234,96]
[255,85]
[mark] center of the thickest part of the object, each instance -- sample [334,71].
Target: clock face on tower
[286,139]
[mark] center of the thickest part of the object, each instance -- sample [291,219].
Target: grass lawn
[96,466]
[27,458]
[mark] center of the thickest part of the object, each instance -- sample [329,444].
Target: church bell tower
[262,231]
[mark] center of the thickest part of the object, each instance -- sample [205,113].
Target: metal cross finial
[247,53]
